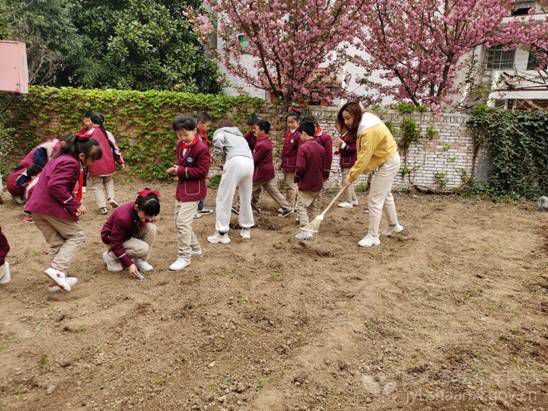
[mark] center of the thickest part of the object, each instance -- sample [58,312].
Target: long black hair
[75,146]
[99,119]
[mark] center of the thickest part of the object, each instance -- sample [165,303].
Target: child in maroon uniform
[191,170]
[130,233]
[251,135]
[327,143]
[289,156]
[203,122]
[5,274]
[347,157]
[309,175]
[56,211]
[263,175]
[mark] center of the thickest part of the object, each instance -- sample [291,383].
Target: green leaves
[517,144]
[141,121]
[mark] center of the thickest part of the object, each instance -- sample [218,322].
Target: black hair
[87,114]
[308,127]
[99,119]
[184,122]
[33,170]
[293,114]
[149,204]
[310,118]
[253,120]
[76,146]
[264,126]
[203,117]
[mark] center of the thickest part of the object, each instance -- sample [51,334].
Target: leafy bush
[517,145]
[141,121]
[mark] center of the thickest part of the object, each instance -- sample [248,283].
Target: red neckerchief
[79,190]
[319,132]
[289,133]
[188,145]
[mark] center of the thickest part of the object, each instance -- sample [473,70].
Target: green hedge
[141,121]
[517,145]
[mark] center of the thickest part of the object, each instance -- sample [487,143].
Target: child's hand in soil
[134,272]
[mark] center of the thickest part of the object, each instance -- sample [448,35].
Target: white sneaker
[346,204]
[54,288]
[304,235]
[392,229]
[198,215]
[245,233]
[179,264]
[6,274]
[219,238]
[369,241]
[197,252]
[59,278]
[355,203]
[113,265]
[143,266]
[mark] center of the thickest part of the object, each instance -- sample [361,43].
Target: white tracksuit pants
[237,173]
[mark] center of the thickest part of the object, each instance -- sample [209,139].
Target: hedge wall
[517,146]
[141,121]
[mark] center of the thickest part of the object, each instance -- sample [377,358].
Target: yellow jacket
[375,145]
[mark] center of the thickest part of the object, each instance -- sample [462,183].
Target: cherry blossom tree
[297,46]
[420,45]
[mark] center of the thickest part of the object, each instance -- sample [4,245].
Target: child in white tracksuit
[229,144]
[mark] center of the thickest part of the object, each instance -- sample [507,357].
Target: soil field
[450,314]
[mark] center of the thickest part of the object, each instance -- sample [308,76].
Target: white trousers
[237,173]
[380,199]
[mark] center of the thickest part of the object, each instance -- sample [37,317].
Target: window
[532,62]
[521,7]
[499,59]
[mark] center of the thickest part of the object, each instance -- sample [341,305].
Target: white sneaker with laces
[245,233]
[54,288]
[112,263]
[304,235]
[219,238]
[369,241]
[5,273]
[58,278]
[346,204]
[143,266]
[179,264]
[392,229]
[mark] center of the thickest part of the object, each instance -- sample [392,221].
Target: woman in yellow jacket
[377,150]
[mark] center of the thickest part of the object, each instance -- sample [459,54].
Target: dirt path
[451,314]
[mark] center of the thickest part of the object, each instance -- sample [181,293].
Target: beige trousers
[350,193]
[308,203]
[141,246]
[99,185]
[64,237]
[291,192]
[186,239]
[380,199]
[271,187]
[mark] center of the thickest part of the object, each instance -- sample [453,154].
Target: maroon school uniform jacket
[348,154]
[11,183]
[262,157]
[54,192]
[105,165]
[251,139]
[327,143]
[4,248]
[289,151]
[123,224]
[192,170]
[310,166]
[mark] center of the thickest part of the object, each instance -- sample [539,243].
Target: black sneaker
[285,212]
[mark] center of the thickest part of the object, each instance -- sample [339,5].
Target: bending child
[130,233]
